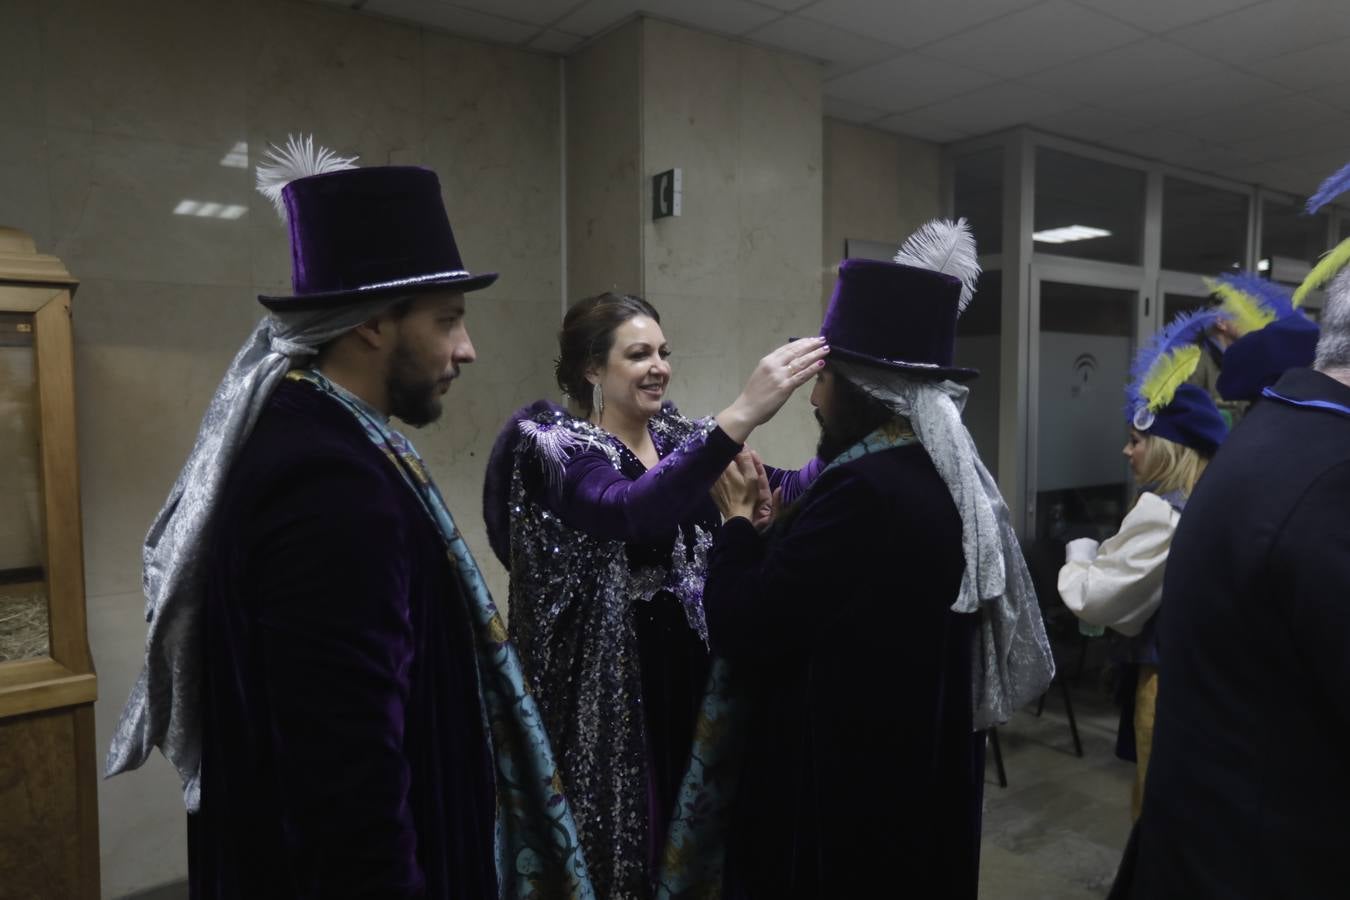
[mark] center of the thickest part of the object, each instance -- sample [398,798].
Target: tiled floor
[1057,831]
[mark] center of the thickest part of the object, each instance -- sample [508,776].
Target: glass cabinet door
[23,582]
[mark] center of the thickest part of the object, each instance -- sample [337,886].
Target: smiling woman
[603,516]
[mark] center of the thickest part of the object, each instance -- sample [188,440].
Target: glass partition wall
[1087,252]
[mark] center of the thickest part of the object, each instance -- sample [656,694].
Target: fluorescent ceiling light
[209,210]
[1069,233]
[237,157]
[1263,265]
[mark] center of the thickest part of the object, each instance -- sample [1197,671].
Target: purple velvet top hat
[896,317]
[357,234]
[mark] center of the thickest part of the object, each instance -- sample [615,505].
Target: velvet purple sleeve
[764,596]
[337,646]
[598,499]
[794,482]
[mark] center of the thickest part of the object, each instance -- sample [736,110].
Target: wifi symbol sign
[1084,367]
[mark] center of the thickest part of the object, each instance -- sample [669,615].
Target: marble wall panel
[604,165]
[779,173]
[878,187]
[21,62]
[25,199]
[691,120]
[156,70]
[113,200]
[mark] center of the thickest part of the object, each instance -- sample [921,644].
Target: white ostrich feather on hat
[948,247]
[299,159]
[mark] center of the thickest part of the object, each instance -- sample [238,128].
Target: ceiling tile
[536,12]
[1305,70]
[1321,164]
[1087,123]
[852,112]
[906,82]
[1281,144]
[784,5]
[453,19]
[841,50]
[1195,98]
[915,23]
[1337,95]
[1033,39]
[1160,143]
[554,41]
[1164,15]
[1279,176]
[916,126]
[995,107]
[1267,29]
[719,16]
[1253,120]
[1136,67]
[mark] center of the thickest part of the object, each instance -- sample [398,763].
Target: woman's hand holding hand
[737,492]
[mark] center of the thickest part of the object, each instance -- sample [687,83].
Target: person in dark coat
[1248,782]
[885,619]
[324,659]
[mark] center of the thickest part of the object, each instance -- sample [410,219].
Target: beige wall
[604,165]
[878,187]
[737,273]
[115,112]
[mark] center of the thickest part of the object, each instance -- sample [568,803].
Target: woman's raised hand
[769,386]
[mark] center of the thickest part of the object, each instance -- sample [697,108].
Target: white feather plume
[299,159]
[948,247]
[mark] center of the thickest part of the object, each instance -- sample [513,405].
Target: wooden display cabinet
[48,782]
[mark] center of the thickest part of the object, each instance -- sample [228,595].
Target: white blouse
[1119,583]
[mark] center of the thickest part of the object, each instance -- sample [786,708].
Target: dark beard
[413,399]
[831,444]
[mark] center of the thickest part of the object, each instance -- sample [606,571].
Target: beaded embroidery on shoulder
[555,437]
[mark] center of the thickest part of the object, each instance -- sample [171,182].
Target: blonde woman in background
[1118,584]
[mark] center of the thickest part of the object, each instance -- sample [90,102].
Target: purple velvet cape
[619,678]
[344,748]
[861,769]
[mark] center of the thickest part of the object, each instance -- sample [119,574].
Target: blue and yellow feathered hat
[1274,334]
[1249,301]
[1160,402]
[1336,258]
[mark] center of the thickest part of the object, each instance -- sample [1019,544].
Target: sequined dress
[607,563]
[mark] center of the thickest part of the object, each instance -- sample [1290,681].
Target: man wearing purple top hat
[887,616]
[324,667]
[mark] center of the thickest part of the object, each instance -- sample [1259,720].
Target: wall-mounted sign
[667,188]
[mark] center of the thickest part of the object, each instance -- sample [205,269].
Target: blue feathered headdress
[1330,189]
[1158,398]
[1249,301]
[1164,363]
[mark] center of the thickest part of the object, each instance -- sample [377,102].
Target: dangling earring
[597,401]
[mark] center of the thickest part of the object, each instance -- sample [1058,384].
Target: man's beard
[831,444]
[413,398]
